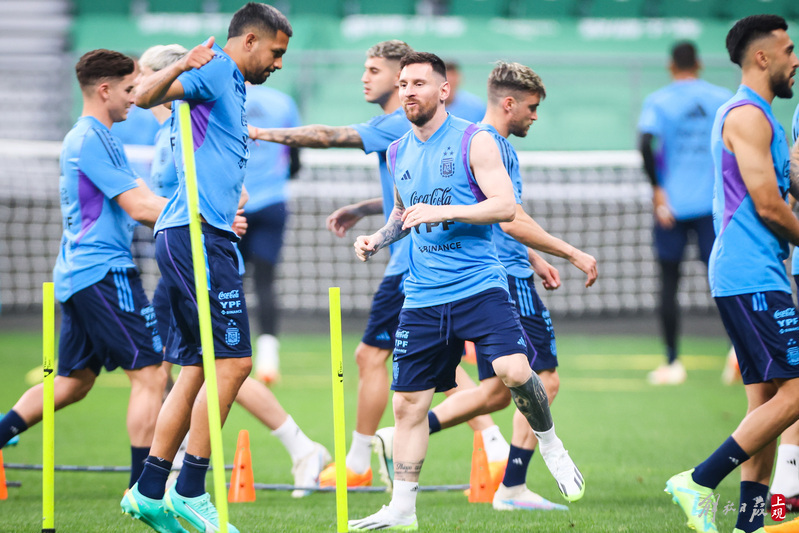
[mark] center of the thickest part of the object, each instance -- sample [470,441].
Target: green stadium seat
[101,7]
[537,9]
[175,6]
[686,8]
[743,8]
[616,8]
[328,8]
[478,8]
[382,7]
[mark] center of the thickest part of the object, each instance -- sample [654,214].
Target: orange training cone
[3,487]
[480,486]
[242,484]
[469,353]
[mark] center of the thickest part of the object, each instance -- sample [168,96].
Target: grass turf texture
[626,437]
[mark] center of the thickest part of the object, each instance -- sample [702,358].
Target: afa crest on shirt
[448,163]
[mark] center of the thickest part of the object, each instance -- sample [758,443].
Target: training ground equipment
[480,486]
[242,483]
[340,447]
[3,487]
[48,407]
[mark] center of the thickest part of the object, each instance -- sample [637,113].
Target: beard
[258,78]
[782,87]
[519,129]
[421,115]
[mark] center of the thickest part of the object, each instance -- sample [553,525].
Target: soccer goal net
[598,201]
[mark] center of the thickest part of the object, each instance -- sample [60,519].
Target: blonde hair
[161,56]
[393,50]
[514,77]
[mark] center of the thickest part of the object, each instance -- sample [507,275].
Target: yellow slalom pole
[48,411]
[204,312]
[340,446]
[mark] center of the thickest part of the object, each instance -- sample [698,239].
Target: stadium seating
[381,7]
[101,7]
[686,8]
[743,8]
[616,8]
[175,6]
[478,8]
[541,8]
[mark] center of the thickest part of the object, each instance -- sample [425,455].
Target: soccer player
[269,169]
[381,72]
[461,103]
[748,280]
[450,176]
[674,129]
[107,320]
[211,79]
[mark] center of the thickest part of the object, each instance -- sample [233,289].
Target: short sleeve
[208,82]
[795,127]
[649,121]
[104,163]
[379,132]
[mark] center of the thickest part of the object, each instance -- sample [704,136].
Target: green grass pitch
[627,438]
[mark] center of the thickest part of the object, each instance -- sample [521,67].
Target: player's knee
[408,408]
[370,357]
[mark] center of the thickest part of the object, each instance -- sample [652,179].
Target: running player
[450,175]
[753,226]
[107,320]
[211,79]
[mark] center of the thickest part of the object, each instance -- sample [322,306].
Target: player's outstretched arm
[747,133]
[368,245]
[162,86]
[341,220]
[528,232]
[141,204]
[494,182]
[550,277]
[313,136]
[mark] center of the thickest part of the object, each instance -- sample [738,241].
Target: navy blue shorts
[109,324]
[231,328]
[764,330]
[384,314]
[537,325]
[670,243]
[265,230]
[429,340]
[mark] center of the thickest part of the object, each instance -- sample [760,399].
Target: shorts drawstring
[446,310]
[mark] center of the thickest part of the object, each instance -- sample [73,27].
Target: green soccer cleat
[385,519]
[697,502]
[199,511]
[149,511]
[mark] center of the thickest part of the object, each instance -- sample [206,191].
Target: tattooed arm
[368,245]
[795,170]
[313,136]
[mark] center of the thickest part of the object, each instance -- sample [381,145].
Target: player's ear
[102,90]
[445,90]
[508,103]
[250,40]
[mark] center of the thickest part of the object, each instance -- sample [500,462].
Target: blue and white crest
[232,335]
[448,163]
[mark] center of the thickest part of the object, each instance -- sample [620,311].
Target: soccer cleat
[327,478]
[696,501]
[761,530]
[384,447]
[267,360]
[792,504]
[673,374]
[521,498]
[785,527]
[732,372]
[570,480]
[149,511]
[306,471]
[199,511]
[385,519]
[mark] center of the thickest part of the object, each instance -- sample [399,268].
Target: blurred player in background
[754,226]
[450,176]
[268,171]
[461,103]
[212,79]
[107,320]
[674,129]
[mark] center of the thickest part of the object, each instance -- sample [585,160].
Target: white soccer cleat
[673,374]
[570,480]
[384,448]
[267,360]
[520,498]
[306,470]
[732,372]
[385,519]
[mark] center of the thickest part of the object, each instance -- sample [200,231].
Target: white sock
[496,447]
[786,471]
[547,438]
[296,442]
[359,458]
[403,500]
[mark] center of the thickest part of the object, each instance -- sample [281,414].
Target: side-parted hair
[263,17]
[424,58]
[749,29]
[160,56]
[101,64]
[684,56]
[514,77]
[393,50]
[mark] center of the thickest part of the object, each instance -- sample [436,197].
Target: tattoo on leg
[531,399]
[407,471]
